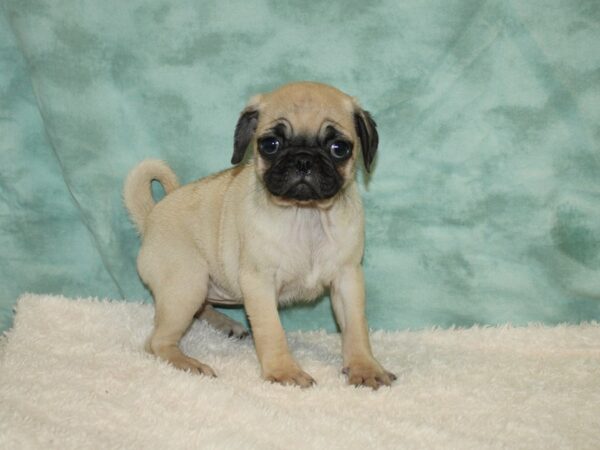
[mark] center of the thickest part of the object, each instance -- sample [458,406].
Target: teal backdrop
[484,204]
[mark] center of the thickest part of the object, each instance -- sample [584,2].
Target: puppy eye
[269,145]
[340,149]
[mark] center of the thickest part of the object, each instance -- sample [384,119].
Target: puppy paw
[191,365]
[223,322]
[237,331]
[368,373]
[289,376]
[179,360]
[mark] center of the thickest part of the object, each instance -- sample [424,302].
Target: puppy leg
[222,322]
[276,361]
[348,301]
[178,294]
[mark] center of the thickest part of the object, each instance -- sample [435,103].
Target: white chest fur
[301,248]
[311,246]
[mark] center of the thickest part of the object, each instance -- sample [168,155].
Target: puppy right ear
[244,130]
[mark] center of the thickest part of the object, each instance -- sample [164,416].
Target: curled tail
[137,193]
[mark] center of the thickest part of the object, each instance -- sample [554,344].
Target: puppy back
[137,193]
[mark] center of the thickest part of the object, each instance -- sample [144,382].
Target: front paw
[289,375]
[368,373]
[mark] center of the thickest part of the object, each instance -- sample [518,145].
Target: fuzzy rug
[73,375]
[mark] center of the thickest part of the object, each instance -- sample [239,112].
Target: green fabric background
[484,205]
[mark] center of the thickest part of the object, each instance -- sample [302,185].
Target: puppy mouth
[302,191]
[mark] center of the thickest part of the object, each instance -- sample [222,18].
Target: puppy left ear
[244,130]
[366,130]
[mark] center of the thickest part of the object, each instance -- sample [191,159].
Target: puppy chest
[305,275]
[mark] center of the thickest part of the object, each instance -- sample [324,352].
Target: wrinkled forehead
[307,111]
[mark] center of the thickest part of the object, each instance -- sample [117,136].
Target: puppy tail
[137,193]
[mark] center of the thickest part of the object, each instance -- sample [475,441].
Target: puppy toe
[369,374]
[238,332]
[296,377]
[192,365]
[204,369]
[304,380]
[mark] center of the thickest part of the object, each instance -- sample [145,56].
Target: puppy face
[305,139]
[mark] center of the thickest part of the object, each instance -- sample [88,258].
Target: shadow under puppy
[282,227]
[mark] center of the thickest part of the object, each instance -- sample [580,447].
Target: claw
[293,377]
[368,374]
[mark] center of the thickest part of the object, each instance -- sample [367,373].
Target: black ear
[244,130]
[366,129]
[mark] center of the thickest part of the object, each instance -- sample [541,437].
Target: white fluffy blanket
[73,375]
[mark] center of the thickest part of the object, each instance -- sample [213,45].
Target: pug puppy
[283,226]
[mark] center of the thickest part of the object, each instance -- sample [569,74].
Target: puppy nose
[304,164]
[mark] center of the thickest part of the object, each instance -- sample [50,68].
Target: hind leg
[222,322]
[179,292]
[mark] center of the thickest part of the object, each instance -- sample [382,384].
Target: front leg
[348,301]
[260,302]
